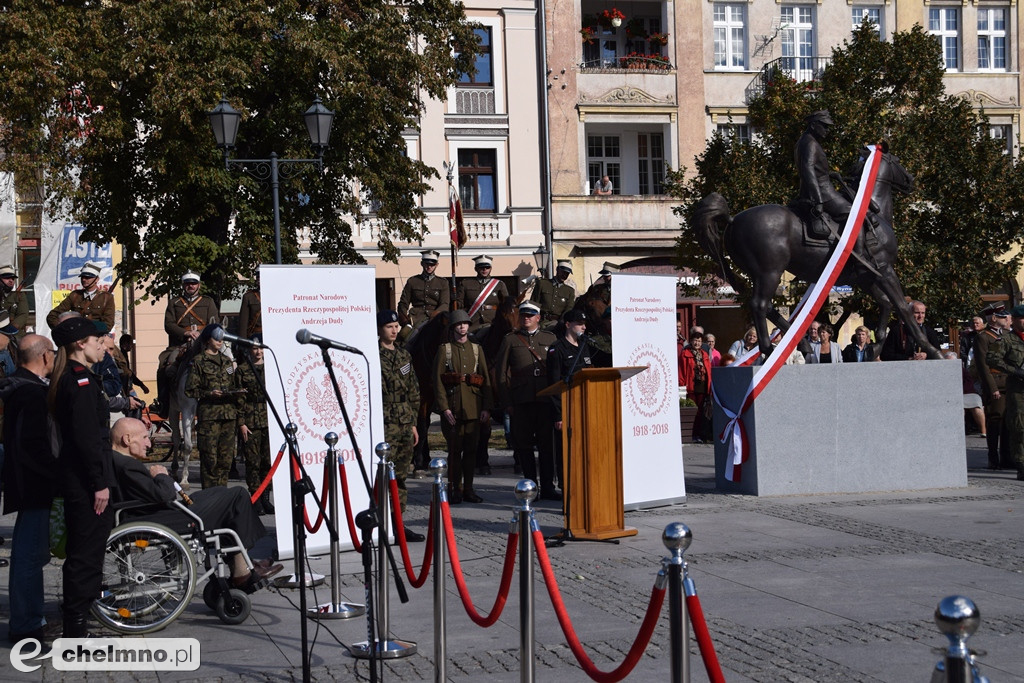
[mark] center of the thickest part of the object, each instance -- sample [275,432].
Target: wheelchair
[150,571]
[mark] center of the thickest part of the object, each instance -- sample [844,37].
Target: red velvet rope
[269,477]
[460,582]
[642,638]
[323,496]
[428,555]
[348,509]
[707,649]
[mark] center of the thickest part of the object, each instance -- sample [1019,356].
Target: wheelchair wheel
[148,578]
[234,608]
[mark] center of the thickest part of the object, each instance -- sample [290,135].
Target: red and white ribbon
[734,434]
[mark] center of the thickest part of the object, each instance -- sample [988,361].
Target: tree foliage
[955,232]
[107,102]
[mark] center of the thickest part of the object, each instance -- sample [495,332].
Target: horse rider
[555,296]
[424,295]
[817,193]
[13,300]
[480,296]
[184,321]
[90,301]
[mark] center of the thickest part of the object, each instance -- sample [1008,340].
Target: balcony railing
[631,62]
[800,69]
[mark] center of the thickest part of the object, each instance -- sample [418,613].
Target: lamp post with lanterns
[224,120]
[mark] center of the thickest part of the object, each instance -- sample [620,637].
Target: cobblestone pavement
[796,588]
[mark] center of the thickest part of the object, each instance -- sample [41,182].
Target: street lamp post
[224,120]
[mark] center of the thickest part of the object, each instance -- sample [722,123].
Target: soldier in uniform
[480,296]
[1007,356]
[13,300]
[462,395]
[521,373]
[424,295]
[400,393]
[567,356]
[993,387]
[212,382]
[253,427]
[555,296]
[89,301]
[250,315]
[189,313]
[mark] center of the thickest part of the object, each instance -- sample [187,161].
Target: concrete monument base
[848,428]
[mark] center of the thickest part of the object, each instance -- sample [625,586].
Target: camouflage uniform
[469,290]
[422,298]
[1007,355]
[462,384]
[16,305]
[554,298]
[217,417]
[98,306]
[253,414]
[401,398]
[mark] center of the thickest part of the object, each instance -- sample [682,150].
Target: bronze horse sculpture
[765,241]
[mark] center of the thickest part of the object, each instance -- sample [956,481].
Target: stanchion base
[386,649]
[293,580]
[342,610]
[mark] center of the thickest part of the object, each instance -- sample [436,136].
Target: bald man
[219,506]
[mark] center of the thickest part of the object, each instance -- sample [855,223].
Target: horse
[422,345]
[765,241]
[182,407]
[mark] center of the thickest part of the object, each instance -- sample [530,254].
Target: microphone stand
[299,489]
[374,648]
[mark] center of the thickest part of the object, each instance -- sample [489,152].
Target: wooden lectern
[592,451]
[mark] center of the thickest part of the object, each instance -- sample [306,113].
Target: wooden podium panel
[592,451]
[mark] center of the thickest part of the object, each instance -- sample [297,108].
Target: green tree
[107,101]
[956,232]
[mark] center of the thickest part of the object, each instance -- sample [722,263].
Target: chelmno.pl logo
[109,654]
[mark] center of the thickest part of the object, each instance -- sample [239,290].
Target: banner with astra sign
[62,255]
[336,302]
[644,334]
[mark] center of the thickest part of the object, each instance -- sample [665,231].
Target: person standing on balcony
[604,186]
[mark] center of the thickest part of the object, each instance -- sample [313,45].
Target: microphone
[304,336]
[220,335]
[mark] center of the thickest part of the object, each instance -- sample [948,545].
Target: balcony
[634,218]
[806,70]
[614,42]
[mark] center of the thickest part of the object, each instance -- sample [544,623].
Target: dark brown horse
[764,241]
[422,345]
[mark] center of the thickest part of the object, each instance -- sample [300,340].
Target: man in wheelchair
[219,507]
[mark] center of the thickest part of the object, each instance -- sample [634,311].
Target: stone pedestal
[848,428]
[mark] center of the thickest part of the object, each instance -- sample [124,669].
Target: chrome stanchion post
[295,580]
[677,539]
[526,493]
[335,609]
[383,525]
[438,467]
[957,618]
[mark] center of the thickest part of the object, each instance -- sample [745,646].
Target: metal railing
[800,69]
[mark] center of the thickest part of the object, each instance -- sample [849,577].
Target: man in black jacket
[900,343]
[30,483]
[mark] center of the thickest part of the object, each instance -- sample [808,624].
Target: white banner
[61,258]
[336,302]
[644,319]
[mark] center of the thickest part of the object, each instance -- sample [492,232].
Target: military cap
[459,316]
[101,327]
[565,264]
[5,325]
[1017,311]
[91,269]
[998,310]
[575,315]
[7,271]
[73,329]
[386,317]
[429,256]
[482,261]
[190,277]
[529,307]
[820,116]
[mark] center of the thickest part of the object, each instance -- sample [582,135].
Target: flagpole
[451,222]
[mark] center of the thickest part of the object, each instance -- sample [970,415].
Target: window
[944,24]
[477,184]
[992,39]
[603,159]
[730,41]
[735,132]
[650,152]
[483,74]
[872,14]
[798,41]
[1004,134]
